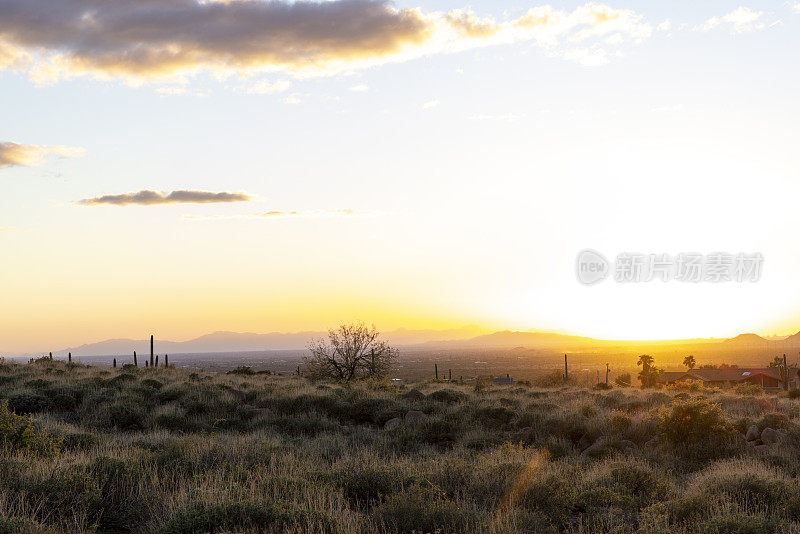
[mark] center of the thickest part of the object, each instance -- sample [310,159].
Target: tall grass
[164,450]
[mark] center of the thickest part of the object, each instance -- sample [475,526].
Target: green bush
[152,383]
[366,484]
[692,420]
[419,509]
[241,370]
[28,403]
[233,517]
[554,496]
[124,414]
[18,433]
[493,416]
[447,396]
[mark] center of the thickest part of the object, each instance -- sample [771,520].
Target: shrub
[241,370]
[124,414]
[555,497]
[747,388]
[737,523]
[172,417]
[447,396]
[18,433]
[773,420]
[232,517]
[691,420]
[22,525]
[629,484]
[152,383]
[418,509]
[27,403]
[494,416]
[79,441]
[122,378]
[364,485]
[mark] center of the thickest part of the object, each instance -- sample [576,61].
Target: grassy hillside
[164,450]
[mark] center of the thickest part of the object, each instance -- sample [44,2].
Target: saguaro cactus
[135,362]
[156,360]
[115,362]
[69,357]
[151,349]
[166,360]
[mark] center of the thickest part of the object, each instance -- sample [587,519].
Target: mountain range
[468,337]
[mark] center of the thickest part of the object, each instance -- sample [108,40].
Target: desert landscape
[133,449]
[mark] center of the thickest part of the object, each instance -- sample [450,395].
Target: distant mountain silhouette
[750,340]
[246,342]
[522,340]
[468,337]
[794,339]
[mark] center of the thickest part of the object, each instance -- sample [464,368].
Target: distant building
[503,380]
[767,378]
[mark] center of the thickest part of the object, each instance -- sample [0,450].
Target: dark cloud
[158,37]
[150,198]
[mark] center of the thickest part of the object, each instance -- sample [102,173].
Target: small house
[767,377]
[503,380]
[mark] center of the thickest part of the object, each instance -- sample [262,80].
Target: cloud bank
[150,198]
[15,154]
[149,39]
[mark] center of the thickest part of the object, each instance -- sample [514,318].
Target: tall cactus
[166,360]
[151,350]
[115,362]
[135,362]
[156,360]
[69,358]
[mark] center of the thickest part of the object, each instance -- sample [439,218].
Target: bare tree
[351,352]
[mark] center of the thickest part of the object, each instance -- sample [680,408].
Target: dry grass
[163,450]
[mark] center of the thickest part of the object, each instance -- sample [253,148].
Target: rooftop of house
[722,375]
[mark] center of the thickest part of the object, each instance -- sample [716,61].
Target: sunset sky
[184,166]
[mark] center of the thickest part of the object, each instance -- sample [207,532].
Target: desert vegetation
[99,449]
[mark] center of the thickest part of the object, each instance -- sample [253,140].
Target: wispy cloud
[360,88]
[741,20]
[15,154]
[282,215]
[430,104]
[150,198]
[151,39]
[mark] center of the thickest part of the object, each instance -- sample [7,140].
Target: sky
[183,166]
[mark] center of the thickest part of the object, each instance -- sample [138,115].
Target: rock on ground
[413,395]
[391,424]
[769,436]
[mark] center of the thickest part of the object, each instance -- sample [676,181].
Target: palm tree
[689,362]
[645,375]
